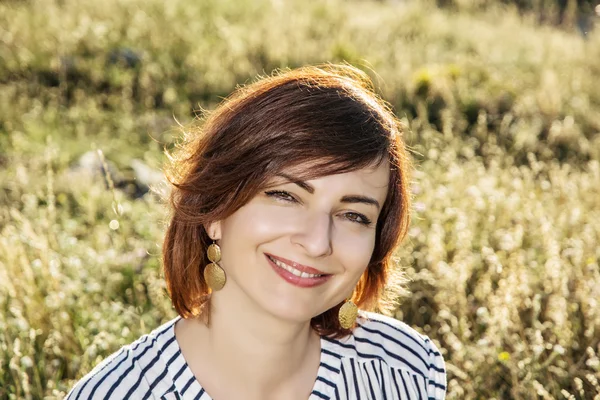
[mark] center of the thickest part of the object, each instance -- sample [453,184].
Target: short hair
[329,116]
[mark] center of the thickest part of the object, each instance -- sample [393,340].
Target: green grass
[504,120]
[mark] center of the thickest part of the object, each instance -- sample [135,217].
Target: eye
[357,218]
[281,195]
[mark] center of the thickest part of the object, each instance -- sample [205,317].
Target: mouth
[299,270]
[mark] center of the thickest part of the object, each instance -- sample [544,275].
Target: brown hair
[329,116]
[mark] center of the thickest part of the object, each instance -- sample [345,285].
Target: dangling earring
[347,314]
[214,275]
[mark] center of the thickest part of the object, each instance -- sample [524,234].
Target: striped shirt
[382,359]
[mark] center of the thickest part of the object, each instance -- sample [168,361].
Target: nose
[314,234]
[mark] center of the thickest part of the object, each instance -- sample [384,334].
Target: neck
[261,352]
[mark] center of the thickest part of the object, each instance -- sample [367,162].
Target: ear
[214,230]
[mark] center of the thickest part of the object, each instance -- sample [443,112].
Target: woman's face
[299,248]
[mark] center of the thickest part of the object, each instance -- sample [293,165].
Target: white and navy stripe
[382,359]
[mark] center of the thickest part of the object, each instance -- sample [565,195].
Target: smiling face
[299,248]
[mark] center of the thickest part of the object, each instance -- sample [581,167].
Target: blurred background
[502,104]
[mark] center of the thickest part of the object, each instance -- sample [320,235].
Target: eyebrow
[353,198]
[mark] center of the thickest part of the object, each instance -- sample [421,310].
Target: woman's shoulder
[394,335]
[404,348]
[131,371]
[398,346]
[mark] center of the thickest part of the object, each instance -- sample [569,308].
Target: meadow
[503,122]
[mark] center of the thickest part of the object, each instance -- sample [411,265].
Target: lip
[295,265]
[294,279]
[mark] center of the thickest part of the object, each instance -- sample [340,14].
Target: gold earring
[214,275]
[347,314]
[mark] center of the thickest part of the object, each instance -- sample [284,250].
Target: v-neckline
[185,381]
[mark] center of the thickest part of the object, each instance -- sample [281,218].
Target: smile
[293,270]
[298,275]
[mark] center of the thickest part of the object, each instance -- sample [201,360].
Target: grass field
[504,126]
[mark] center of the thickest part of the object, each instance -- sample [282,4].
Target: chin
[292,313]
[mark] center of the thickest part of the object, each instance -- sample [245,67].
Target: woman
[287,206]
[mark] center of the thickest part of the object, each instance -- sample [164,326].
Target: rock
[135,182]
[125,57]
[145,176]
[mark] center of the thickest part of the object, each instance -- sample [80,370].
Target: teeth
[293,270]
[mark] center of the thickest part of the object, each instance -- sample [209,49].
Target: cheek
[356,249]
[256,222]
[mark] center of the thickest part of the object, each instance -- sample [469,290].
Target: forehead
[372,179]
